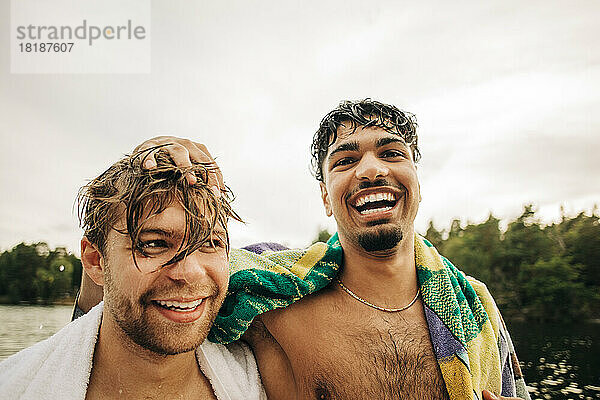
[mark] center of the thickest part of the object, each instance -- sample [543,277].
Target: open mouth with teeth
[178,306]
[375,202]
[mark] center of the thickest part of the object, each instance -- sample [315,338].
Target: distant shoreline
[66,301]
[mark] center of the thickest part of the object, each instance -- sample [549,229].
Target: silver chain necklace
[351,293]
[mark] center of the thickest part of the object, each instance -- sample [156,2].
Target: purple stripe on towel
[444,343]
[261,247]
[508,382]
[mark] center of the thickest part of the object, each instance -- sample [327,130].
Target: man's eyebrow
[219,232]
[387,140]
[169,233]
[349,146]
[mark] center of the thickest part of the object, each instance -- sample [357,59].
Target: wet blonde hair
[127,190]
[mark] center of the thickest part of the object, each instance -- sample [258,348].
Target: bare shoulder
[279,339]
[273,362]
[300,321]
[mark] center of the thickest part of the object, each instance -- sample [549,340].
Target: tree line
[547,273]
[33,273]
[534,271]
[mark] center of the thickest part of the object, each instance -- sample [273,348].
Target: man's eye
[392,154]
[343,162]
[152,246]
[213,244]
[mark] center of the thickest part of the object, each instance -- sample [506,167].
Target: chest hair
[383,357]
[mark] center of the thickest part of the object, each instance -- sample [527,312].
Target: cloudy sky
[506,95]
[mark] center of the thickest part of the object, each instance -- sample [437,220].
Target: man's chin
[165,349]
[382,240]
[168,341]
[163,337]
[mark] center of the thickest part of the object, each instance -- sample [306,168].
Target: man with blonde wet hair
[158,246]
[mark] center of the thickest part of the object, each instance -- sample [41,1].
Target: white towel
[59,367]
[231,370]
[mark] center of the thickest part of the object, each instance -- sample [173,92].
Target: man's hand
[487,395]
[184,152]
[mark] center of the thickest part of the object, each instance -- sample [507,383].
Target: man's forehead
[151,219]
[348,133]
[173,219]
[168,222]
[176,227]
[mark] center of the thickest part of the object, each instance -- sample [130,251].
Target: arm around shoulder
[273,364]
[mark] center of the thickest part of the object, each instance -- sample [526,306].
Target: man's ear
[325,198]
[92,261]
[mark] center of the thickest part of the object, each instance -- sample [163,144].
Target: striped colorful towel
[470,340]
[262,280]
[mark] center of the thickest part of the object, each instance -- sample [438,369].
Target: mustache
[374,184]
[179,289]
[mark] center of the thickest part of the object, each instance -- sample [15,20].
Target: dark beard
[380,240]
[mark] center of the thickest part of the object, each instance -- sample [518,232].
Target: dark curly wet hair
[364,113]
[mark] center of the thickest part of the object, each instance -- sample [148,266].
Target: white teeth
[182,306]
[375,210]
[389,197]
[374,197]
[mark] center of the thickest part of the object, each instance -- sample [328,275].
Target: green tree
[33,273]
[534,271]
[4,259]
[21,265]
[476,250]
[54,281]
[582,243]
[552,289]
[435,237]
[578,239]
[322,236]
[76,274]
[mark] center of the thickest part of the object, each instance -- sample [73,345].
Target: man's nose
[370,167]
[190,269]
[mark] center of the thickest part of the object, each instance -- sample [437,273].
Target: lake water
[22,326]
[559,361]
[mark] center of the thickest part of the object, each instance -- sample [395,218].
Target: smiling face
[167,309]
[371,188]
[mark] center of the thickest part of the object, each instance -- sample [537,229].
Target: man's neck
[121,367]
[389,277]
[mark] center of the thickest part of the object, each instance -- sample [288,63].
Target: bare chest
[363,356]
